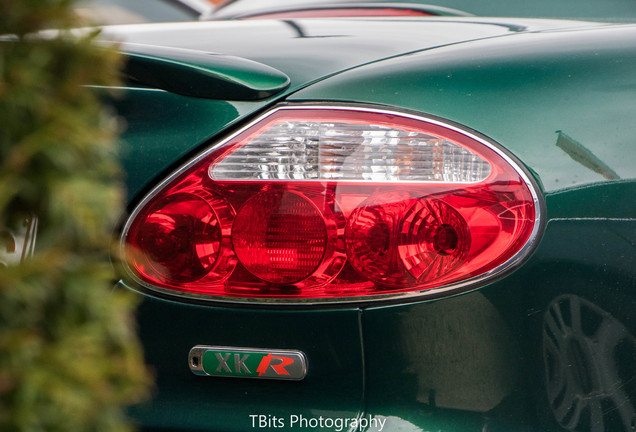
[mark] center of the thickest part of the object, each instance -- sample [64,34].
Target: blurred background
[143,11]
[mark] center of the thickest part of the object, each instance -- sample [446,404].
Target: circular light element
[399,239]
[434,239]
[279,236]
[178,240]
[371,237]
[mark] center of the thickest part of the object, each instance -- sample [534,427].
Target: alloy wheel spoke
[625,407]
[597,422]
[575,417]
[609,334]
[555,324]
[575,314]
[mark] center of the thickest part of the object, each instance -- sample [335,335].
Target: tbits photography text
[298,421]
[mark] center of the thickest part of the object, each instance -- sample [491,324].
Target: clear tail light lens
[334,203]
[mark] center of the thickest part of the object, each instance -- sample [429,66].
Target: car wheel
[590,373]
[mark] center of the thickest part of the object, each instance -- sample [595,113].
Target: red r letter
[278,368]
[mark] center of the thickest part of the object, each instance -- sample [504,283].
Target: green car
[385,223]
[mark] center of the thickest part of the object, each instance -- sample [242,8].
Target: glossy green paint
[522,91]
[163,129]
[480,353]
[560,101]
[304,49]
[475,361]
[329,339]
[201,74]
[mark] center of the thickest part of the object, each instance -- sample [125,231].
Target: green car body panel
[558,95]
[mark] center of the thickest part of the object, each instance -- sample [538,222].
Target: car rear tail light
[335,203]
[342,13]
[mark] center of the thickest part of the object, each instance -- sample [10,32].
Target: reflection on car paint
[589,366]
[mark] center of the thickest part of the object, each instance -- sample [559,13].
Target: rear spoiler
[201,74]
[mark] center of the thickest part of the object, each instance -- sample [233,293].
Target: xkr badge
[247,363]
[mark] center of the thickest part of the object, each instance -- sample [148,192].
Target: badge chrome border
[195,361]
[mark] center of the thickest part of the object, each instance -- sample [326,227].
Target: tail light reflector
[334,203]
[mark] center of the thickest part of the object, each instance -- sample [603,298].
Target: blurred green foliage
[69,356]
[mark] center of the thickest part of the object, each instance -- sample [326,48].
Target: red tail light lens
[279,236]
[342,13]
[326,203]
